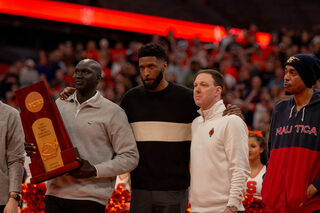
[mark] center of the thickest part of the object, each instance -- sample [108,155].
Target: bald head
[91,64]
[86,76]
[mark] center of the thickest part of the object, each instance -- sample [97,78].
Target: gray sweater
[101,132]
[11,152]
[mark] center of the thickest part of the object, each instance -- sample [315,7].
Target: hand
[30,148]
[311,191]
[12,206]
[232,110]
[85,171]
[67,92]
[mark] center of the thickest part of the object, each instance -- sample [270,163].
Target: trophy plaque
[44,128]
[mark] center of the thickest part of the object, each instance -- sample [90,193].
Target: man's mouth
[148,80]
[78,82]
[287,85]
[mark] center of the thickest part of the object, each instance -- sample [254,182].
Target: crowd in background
[253,75]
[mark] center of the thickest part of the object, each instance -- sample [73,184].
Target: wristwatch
[232,208]
[15,196]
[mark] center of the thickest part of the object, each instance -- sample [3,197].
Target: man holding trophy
[100,131]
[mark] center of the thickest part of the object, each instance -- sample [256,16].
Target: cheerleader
[258,161]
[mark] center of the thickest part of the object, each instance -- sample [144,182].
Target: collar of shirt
[216,110]
[92,102]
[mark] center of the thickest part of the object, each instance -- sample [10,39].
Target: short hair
[216,75]
[153,49]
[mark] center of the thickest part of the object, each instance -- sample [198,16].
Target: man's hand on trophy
[86,170]
[30,148]
[67,92]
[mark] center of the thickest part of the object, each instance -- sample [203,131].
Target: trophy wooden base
[55,173]
[70,163]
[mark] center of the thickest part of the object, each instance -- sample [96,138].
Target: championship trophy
[44,127]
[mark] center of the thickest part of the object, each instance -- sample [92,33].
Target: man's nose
[197,89]
[286,77]
[146,72]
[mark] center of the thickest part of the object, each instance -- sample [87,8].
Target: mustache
[149,79]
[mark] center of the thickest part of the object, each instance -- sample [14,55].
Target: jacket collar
[214,111]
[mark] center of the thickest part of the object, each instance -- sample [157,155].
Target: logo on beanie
[293,59]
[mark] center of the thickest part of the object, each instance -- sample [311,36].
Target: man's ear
[99,76]
[164,65]
[219,89]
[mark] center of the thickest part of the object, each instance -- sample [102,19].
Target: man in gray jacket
[11,158]
[101,132]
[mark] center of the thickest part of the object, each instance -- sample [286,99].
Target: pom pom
[119,201]
[254,205]
[33,197]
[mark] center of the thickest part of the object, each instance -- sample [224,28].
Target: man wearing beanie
[292,180]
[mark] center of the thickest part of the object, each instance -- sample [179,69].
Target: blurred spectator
[264,106]
[68,79]
[91,51]
[11,77]
[106,72]
[191,76]
[104,51]
[68,56]
[79,52]
[28,74]
[277,79]
[118,52]
[57,84]
[252,98]
[133,53]
[118,64]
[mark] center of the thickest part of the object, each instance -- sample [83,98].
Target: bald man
[101,132]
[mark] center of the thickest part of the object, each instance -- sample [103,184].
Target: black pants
[59,205]
[144,201]
[2,208]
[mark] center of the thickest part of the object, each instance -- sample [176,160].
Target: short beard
[156,82]
[288,93]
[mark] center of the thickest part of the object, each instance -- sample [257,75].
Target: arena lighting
[113,19]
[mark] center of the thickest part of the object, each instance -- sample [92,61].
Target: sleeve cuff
[234,203]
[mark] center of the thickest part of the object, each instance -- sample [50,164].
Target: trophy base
[54,173]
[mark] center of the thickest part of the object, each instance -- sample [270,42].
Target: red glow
[113,19]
